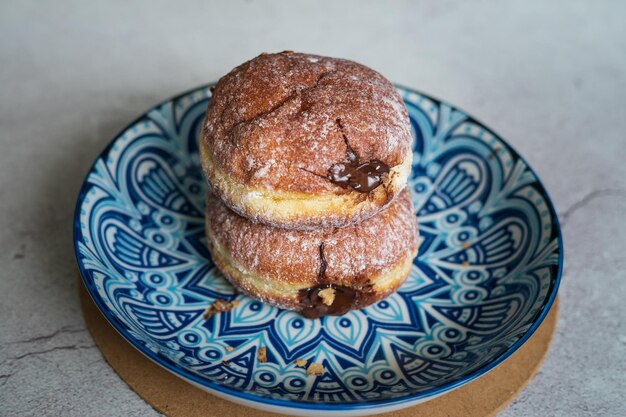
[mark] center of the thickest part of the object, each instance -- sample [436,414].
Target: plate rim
[210,386]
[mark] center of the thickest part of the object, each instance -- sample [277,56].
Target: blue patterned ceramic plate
[488,271]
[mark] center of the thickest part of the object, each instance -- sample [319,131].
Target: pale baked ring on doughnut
[319,272]
[303,141]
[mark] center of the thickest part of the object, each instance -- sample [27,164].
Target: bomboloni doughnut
[304,141]
[318,272]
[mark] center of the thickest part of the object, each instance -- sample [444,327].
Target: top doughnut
[304,141]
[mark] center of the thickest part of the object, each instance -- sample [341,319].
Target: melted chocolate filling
[314,304]
[360,177]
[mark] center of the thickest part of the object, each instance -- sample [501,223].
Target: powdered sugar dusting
[353,254]
[284,107]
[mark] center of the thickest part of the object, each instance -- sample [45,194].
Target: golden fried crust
[275,125]
[373,257]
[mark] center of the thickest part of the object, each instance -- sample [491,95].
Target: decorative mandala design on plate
[487,272]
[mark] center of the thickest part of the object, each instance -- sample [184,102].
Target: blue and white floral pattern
[487,272]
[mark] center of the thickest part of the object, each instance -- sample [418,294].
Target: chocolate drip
[323,264]
[351,155]
[345,299]
[360,177]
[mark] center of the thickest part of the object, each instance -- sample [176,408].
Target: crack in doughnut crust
[280,266]
[270,136]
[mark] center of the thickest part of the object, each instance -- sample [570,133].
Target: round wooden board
[174,397]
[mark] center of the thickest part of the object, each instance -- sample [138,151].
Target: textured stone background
[550,76]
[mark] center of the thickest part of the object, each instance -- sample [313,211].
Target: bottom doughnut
[317,272]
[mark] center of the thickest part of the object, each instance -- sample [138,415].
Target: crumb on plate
[261,354]
[315,369]
[219,306]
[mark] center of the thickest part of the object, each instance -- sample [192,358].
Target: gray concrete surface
[550,76]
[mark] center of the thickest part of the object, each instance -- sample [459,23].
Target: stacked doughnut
[307,159]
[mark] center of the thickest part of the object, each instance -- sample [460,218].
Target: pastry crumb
[327,295]
[219,306]
[300,362]
[315,369]
[225,363]
[465,245]
[229,348]
[261,354]
[465,264]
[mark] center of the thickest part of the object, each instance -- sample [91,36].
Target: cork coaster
[174,397]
